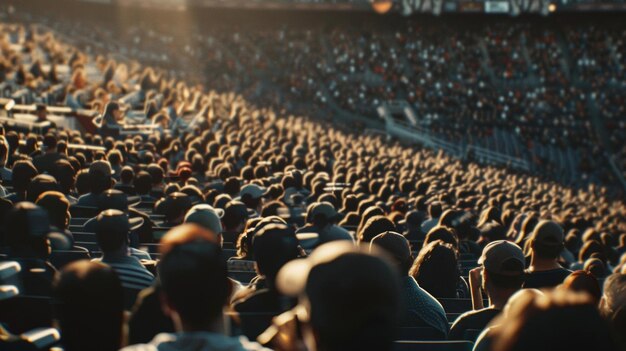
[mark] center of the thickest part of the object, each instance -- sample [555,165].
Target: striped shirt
[132,273]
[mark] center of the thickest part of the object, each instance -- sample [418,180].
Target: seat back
[419,333]
[433,345]
[60,258]
[23,313]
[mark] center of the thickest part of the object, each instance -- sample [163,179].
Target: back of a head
[89,303]
[375,226]
[274,245]
[194,282]
[547,240]
[584,282]
[559,320]
[614,293]
[353,296]
[445,234]
[436,270]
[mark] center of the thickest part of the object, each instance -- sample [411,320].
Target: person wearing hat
[26,236]
[194,289]
[207,217]
[546,244]
[421,309]
[349,300]
[174,207]
[112,229]
[322,220]
[100,179]
[500,275]
[252,196]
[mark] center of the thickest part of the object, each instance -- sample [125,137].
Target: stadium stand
[214,219]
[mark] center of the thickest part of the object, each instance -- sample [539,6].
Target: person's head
[23,172]
[50,143]
[112,228]
[175,206]
[194,281]
[375,226]
[57,206]
[349,297]
[142,183]
[614,294]
[26,233]
[41,111]
[322,214]
[503,268]
[252,196]
[273,246]
[436,269]
[112,112]
[235,216]
[398,248]
[435,210]
[445,234]
[89,305]
[557,320]
[64,173]
[40,184]
[206,216]
[547,240]
[100,173]
[4,151]
[583,282]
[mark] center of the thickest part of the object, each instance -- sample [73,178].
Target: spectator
[235,217]
[45,163]
[195,289]
[112,228]
[89,303]
[436,270]
[584,282]
[558,320]
[322,220]
[352,298]
[434,211]
[100,173]
[421,309]
[500,276]
[546,244]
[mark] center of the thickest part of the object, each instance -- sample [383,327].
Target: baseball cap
[395,244]
[175,204]
[116,199]
[205,216]
[113,220]
[101,167]
[503,257]
[548,233]
[325,209]
[253,190]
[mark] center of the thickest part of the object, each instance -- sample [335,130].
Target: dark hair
[435,210]
[546,251]
[506,281]
[445,234]
[142,183]
[375,226]
[436,269]
[111,240]
[89,304]
[195,282]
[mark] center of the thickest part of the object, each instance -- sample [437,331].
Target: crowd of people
[542,83]
[235,226]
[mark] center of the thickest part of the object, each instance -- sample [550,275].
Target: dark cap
[100,167]
[115,221]
[325,209]
[116,199]
[176,204]
[27,222]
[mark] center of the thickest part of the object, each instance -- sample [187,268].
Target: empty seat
[406,345]
[84,237]
[84,211]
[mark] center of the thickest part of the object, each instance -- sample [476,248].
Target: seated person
[112,228]
[194,290]
[90,307]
